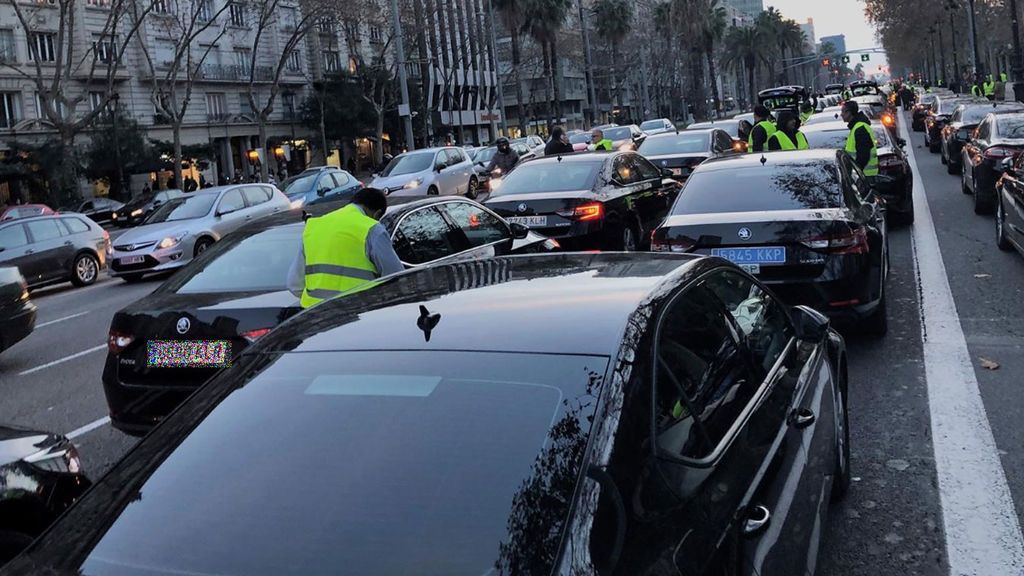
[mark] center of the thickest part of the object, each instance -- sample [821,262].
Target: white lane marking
[983,533]
[62,319]
[88,428]
[62,360]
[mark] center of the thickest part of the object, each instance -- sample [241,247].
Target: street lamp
[974,37]
[118,176]
[1015,63]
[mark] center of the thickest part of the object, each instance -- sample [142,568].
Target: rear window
[836,139]
[620,133]
[536,177]
[779,187]
[682,143]
[255,263]
[1010,127]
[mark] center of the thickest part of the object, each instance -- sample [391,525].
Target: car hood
[154,232]
[17,443]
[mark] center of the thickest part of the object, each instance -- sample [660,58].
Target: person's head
[596,135]
[787,121]
[373,201]
[557,132]
[761,113]
[503,145]
[850,110]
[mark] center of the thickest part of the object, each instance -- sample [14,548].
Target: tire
[842,476]
[877,324]
[942,156]
[630,239]
[473,188]
[201,245]
[432,191]
[132,278]
[981,205]
[1002,242]
[952,168]
[934,147]
[963,183]
[85,270]
[11,544]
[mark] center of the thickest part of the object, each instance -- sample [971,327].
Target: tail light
[585,212]
[999,152]
[253,335]
[852,242]
[24,290]
[117,341]
[888,120]
[671,244]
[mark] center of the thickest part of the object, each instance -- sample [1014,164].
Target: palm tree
[711,29]
[790,37]
[544,25]
[745,50]
[513,17]
[613,20]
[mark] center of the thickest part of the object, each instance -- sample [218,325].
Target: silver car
[183,227]
[443,171]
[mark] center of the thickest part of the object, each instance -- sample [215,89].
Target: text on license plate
[531,221]
[680,171]
[762,255]
[188,353]
[133,259]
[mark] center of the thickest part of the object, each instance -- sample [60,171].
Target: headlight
[170,241]
[413,184]
[113,216]
[299,203]
[137,212]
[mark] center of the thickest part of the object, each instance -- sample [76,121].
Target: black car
[920,111]
[53,249]
[40,477]
[608,201]
[895,183]
[836,89]
[680,152]
[1010,205]
[937,118]
[138,208]
[737,128]
[100,210]
[236,291]
[17,312]
[807,223]
[320,184]
[679,420]
[997,137]
[961,125]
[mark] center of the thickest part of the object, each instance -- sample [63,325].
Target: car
[807,223]
[834,89]
[895,182]
[139,208]
[938,115]
[737,128]
[100,210]
[236,292]
[25,211]
[652,127]
[961,125]
[676,407]
[580,141]
[680,152]
[859,88]
[998,136]
[591,201]
[920,110]
[17,312]
[784,98]
[53,249]
[184,227]
[441,171]
[531,142]
[320,184]
[41,476]
[625,137]
[835,113]
[1010,205]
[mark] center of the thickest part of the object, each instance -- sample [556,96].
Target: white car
[659,126]
[442,171]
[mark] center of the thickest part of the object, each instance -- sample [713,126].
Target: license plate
[531,221]
[680,171]
[750,268]
[763,255]
[132,260]
[188,353]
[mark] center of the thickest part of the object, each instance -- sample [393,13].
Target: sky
[832,17]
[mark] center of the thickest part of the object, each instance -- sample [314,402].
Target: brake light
[117,341]
[888,120]
[671,244]
[999,152]
[586,212]
[853,242]
[253,335]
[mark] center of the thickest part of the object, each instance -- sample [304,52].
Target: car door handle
[756,520]
[801,418]
[248,216]
[29,251]
[68,243]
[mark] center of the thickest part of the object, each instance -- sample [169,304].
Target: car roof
[753,161]
[559,303]
[584,156]
[41,217]
[671,133]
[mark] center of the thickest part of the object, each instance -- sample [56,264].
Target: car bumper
[136,408]
[153,260]
[843,300]
[18,325]
[898,194]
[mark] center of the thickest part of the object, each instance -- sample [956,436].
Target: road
[900,506]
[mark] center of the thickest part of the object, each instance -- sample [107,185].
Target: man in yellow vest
[989,88]
[344,249]
[861,143]
[598,143]
[763,128]
[788,136]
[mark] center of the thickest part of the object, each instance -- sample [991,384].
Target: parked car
[737,128]
[806,222]
[680,152]
[236,292]
[652,127]
[184,227]
[442,171]
[607,201]
[100,210]
[40,477]
[998,136]
[320,184]
[1010,205]
[628,441]
[139,208]
[25,211]
[920,110]
[961,125]
[54,249]
[17,312]
[938,115]
[625,137]
[531,142]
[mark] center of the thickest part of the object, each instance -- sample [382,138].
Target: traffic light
[865,57]
[846,59]
[825,62]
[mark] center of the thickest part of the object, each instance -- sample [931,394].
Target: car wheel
[11,544]
[201,245]
[473,188]
[963,182]
[132,278]
[952,168]
[84,270]
[877,324]
[981,205]
[432,191]
[841,476]
[933,147]
[1001,240]
[630,241]
[942,156]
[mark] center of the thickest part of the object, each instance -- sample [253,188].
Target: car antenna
[306,215]
[559,157]
[427,322]
[763,159]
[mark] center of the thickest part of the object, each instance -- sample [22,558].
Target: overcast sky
[832,17]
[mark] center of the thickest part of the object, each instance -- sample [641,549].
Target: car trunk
[681,165]
[550,214]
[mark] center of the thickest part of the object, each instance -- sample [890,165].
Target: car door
[654,193]
[724,143]
[52,248]
[1013,200]
[424,236]
[460,170]
[485,234]
[230,212]
[445,177]
[974,149]
[16,250]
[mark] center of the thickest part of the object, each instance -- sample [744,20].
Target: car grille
[116,266]
[133,247]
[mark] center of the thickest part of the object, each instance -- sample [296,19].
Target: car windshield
[775,186]
[583,138]
[300,185]
[484,156]
[24,212]
[653,125]
[682,143]
[1010,127]
[620,133]
[866,91]
[184,208]
[259,262]
[409,164]
[384,462]
[836,139]
[537,177]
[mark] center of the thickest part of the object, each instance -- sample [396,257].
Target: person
[976,89]
[190,184]
[1002,77]
[598,142]
[343,249]
[202,181]
[989,88]
[762,130]
[146,189]
[860,143]
[788,136]
[806,111]
[505,159]
[558,144]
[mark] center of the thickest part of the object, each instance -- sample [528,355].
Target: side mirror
[1007,165]
[667,172]
[901,142]
[220,212]
[321,192]
[519,231]
[810,325]
[438,167]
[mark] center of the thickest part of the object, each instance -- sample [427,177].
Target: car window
[256,195]
[724,141]
[762,321]
[455,156]
[702,382]
[625,171]
[774,186]
[424,236]
[342,179]
[231,201]
[480,226]
[86,206]
[542,177]
[253,263]
[984,130]
[13,236]
[646,170]
[1010,127]
[160,197]
[75,225]
[325,183]
[42,230]
[683,143]
[192,206]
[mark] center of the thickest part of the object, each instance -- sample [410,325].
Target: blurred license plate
[132,259]
[188,353]
[762,255]
[531,221]
[680,171]
[750,268]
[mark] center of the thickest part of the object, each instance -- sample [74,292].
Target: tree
[513,17]
[745,49]
[544,26]
[133,154]
[338,108]
[613,20]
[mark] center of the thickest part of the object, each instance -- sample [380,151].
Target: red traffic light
[826,62]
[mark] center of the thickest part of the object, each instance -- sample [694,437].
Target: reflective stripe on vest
[769,129]
[785,143]
[851,148]
[976,90]
[989,88]
[335,249]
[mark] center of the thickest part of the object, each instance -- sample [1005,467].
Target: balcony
[218,117]
[235,73]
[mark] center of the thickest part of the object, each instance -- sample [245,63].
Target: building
[838,43]
[809,39]
[749,7]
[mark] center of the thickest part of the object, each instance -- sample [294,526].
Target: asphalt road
[900,506]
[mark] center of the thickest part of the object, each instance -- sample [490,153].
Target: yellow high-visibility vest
[335,249]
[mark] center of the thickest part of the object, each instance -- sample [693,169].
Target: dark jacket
[862,139]
[760,138]
[503,160]
[555,147]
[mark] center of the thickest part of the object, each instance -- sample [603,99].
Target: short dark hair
[761,111]
[851,106]
[372,199]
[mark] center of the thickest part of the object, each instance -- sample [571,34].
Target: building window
[295,61]
[105,48]
[98,3]
[204,11]
[97,100]
[289,19]
[236,12]
[41,107]
[7,53]
[332,61]
[40,46]
[352,31]
[376,35]
[216,106]
[325,25]
[243,58]
[353,64]
[161,6]
[244,106]
[10,109]
[288,102]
